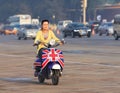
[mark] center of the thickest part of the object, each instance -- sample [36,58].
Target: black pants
[39,55]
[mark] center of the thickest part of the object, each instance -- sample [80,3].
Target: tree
[62,9]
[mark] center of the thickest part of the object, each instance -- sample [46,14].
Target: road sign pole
[84,6]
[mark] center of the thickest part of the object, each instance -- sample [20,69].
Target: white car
[106,28]
[62,24]
[27,31]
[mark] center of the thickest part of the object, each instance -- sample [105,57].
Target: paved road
[92,65]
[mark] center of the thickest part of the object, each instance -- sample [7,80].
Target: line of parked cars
[21,31]
[27,31]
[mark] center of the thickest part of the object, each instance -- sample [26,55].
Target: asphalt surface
[92,65]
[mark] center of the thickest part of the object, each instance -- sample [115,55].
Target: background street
[92,65]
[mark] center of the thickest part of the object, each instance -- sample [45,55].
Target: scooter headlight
[52,42]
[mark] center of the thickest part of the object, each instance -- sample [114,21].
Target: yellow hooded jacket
[40,37]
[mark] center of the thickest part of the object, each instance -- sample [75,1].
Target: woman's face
[45,26]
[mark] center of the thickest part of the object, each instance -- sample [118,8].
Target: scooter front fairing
[53,56]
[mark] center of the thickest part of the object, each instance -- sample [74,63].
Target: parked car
[116,26]
[9,30]
[1,31]
[76,29]
[27,31]
[106,28]
[62,24]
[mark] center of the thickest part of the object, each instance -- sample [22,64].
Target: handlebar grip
[35,44]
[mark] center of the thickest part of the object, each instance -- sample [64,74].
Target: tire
[72,34]
[55,77]
[41,79]
[64,35]
[116,36]
[88,34]
[100,34]
[24,37]
[107,34]
[19,38]
[80,36]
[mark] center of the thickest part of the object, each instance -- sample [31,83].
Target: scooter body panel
[51,59]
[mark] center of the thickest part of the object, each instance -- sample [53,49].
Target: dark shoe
[35,74]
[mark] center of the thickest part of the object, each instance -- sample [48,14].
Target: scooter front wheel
[55,77]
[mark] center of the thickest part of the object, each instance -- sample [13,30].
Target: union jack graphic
[52,55]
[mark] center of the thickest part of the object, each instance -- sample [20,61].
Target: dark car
[76,29]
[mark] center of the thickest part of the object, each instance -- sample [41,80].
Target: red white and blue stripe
[52,55]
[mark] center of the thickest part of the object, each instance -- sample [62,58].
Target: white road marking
[33,58]
[95,64]
[23,56]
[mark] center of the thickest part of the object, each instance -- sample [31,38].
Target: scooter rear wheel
[41,79]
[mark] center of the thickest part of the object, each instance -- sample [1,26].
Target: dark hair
[45,20]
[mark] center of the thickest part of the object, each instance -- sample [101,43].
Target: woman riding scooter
[43,37]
